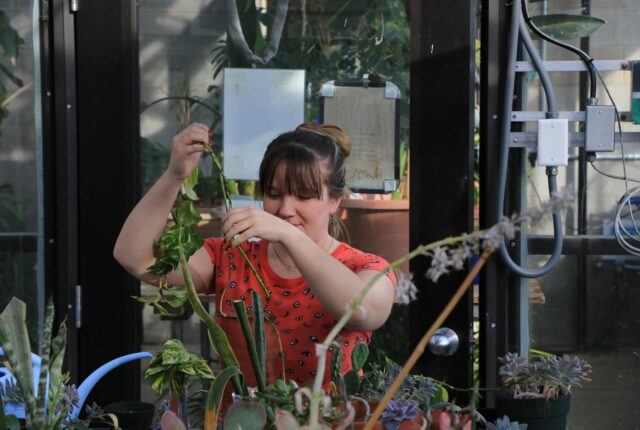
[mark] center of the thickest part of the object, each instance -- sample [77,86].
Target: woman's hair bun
[333,132]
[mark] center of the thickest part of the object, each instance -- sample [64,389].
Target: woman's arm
[333,284]
[145,224]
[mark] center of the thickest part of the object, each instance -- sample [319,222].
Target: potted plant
[171,368]
[538,391]
[448,254]
[39,400]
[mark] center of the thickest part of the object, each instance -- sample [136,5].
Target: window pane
[587,304]
[20,164]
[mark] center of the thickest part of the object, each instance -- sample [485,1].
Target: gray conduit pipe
[515,30]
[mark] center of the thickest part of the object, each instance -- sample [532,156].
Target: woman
[311,276]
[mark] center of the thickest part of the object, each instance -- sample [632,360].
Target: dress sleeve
[213,246]
[360,261]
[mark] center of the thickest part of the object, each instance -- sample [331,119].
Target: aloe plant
[49,406]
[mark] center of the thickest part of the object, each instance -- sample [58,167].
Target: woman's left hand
[240,224]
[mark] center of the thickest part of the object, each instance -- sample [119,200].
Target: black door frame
[91,130]
[96,163]
[441,146]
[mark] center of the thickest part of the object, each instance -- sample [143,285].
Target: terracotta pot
[360,414]
[441,420]
[380,227]
[413,424]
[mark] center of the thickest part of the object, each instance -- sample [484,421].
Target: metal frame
[109,187]
[62,199]
[499,323]
[442,125]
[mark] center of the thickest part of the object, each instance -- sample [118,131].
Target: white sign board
[259,104]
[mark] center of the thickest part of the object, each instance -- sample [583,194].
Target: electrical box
[553,142]
[599,128]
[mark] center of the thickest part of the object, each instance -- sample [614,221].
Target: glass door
[588,305]
[21,162]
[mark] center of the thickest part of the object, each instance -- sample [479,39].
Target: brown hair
[305,161]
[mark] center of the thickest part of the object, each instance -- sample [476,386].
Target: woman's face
[311,215]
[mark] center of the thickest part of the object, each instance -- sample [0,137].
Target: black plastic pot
[132,415]
[538,414]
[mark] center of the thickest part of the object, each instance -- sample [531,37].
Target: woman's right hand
[186,149]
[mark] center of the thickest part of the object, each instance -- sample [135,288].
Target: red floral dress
[301,320]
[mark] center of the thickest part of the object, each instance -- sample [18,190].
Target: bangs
[293,170]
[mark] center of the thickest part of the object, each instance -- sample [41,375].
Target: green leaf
[12,77]
[282,387]
[12,422]
[335,364]
[177,296]
[15,342]
[186,213]
[352,382]
[9,39]
[258,330]
[566,27]
[173,365]
[359,356]
[200,367]
[190,182]
[174,352]
[245,416]
[56,377]
[441,395]
[241,312]
[216,391]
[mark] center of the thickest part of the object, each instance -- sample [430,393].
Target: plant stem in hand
[217,336]
[227,205]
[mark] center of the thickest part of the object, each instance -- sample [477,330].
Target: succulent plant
[419,389]
[397,411]
[542,377]
[505,423]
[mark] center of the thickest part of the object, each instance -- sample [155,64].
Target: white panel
[259,104]
[553,142]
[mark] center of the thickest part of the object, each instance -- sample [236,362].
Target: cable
[611,175]
[552,171]
[622,234]
[583,55]
[552,104]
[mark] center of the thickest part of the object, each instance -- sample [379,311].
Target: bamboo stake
[419,349]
